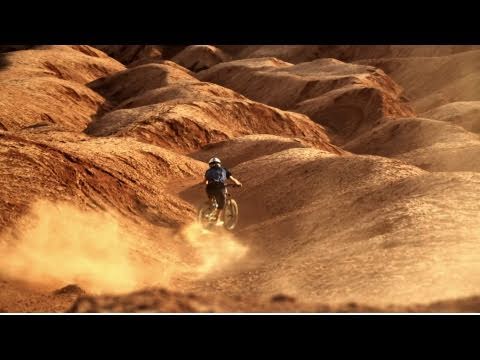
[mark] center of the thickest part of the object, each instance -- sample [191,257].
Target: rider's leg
[221,199]
[210,194]
[219,219]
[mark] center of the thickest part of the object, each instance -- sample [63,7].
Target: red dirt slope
[317,224]
[246,148]
[189,114]
[430,82]
[463,113]
[102,173]
[129,54]
[139,79]
[200,57]
[352,228]
[430,144]
[347,99]
[161,300]
[46,86]
[302,53]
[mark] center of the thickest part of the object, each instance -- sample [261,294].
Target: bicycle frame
[213,206]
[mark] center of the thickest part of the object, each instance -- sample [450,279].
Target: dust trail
[57,244]
[214,249]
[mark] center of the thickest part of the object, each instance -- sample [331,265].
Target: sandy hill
[136,54]
[46,85]
[430,144]
[200,57]
[98,173]
[139,79]
[166,106]
[162,300]
[463,113]
[102,169]
[303,53]
[433,81]
[347,99]
[352,228]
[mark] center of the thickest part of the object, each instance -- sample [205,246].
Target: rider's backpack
[216,175]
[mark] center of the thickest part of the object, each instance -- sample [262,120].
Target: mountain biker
[215,178]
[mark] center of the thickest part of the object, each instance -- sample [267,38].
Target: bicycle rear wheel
[206,215]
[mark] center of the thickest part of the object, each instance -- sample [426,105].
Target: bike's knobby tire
[231,222]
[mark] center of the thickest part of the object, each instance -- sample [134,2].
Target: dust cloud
[56,244]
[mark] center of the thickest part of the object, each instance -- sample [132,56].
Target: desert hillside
[360,168]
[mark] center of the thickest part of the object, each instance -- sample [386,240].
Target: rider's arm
[235,181]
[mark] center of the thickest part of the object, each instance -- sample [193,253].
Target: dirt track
[351,202]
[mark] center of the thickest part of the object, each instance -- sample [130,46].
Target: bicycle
[207,214]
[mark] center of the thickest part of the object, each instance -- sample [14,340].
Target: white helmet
[213,161]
